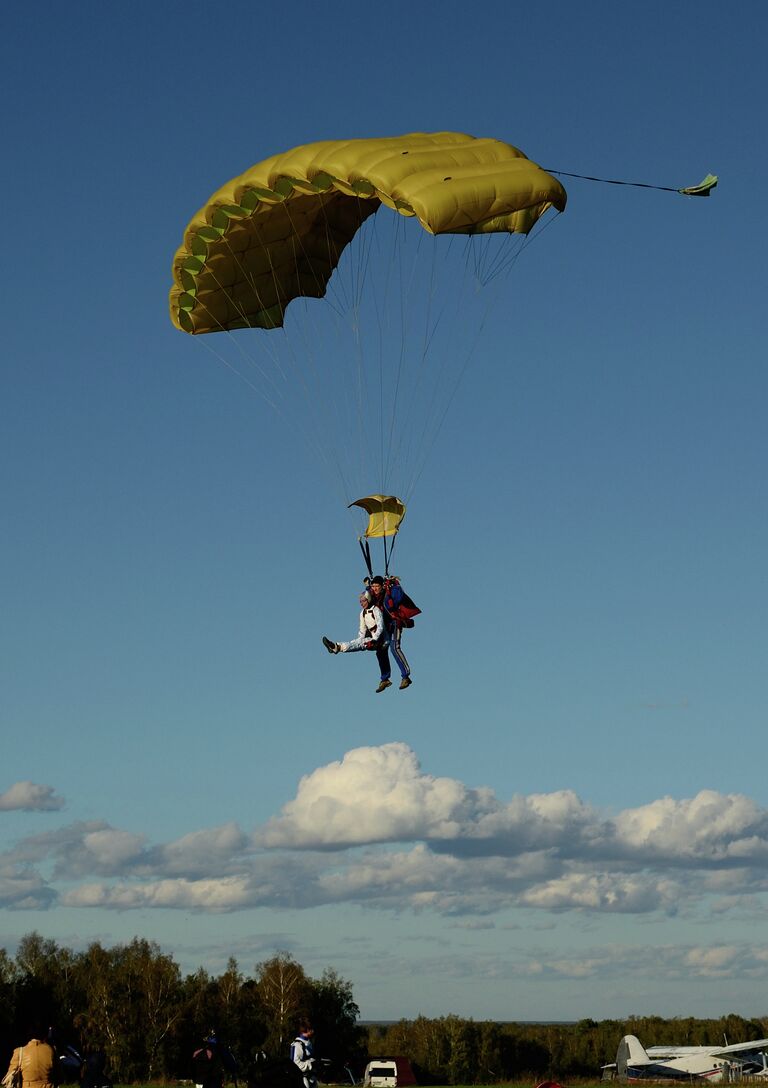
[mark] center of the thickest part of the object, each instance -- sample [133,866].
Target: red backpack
[398,604]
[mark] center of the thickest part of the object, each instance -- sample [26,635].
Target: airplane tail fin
[631,1052]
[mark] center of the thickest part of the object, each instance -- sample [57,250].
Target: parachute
[363,331]
[277,231]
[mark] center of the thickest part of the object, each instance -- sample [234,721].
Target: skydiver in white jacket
[302,1053]
[371,635]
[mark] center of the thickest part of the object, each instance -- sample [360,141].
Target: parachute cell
[277,232]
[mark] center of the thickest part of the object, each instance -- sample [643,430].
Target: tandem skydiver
[384,611]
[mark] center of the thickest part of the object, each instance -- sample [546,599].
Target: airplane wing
[667,1052]
[662,1051]
[735,1048]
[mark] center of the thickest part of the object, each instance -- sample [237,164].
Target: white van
[380,1073]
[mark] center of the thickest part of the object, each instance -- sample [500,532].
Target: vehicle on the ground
[394,1072]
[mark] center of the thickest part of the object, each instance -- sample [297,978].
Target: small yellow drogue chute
[385,513]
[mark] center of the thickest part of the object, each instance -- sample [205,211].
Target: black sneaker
[383,686]
[405,683]
[331,647]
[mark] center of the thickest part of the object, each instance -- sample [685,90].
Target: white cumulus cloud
[376,830]
[374,795]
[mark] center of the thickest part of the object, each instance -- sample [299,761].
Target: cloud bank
[374,829]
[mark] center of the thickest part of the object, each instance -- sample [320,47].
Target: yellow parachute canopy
[385,514]
[277,232]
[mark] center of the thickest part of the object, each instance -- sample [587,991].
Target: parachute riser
[365,548]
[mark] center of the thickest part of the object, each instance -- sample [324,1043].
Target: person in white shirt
[371,635]
[302,1053]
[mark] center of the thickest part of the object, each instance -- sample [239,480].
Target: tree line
[133,1002]
[453,1050]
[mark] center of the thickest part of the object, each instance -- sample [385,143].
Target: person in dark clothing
[211,1062]
[399,611]
[94,1069]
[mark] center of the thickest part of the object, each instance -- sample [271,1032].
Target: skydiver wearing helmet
[372,635]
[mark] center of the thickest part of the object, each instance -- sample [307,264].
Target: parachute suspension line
[345,304]
[346,286]
[360,364]
[506,265]
[317,410]
[437,409]
[380,356]
[313,437]
[385,322]
[362,249]
[377,300]
[266,343]
[346,283]
[288,421]
[404,447]
[243,378]
[488,265]
[336,288]
[369,238]
[248,358]
[502,262]
[429,333]
[427,449]
[251,360]
[406,293]
[399,244]
[379,307]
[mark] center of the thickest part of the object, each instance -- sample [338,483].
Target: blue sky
[566,814]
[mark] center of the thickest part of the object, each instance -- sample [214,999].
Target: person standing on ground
[35,1060]
[302,1053]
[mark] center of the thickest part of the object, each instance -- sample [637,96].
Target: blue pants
[383,655]
[391,642]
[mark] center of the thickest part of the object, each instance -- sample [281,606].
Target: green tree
[462,1051]
[284,991]
[45,987]
[334,1013]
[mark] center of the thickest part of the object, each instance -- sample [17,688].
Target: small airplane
[712,1063]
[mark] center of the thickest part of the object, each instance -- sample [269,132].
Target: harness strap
[365,548]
